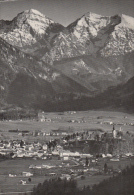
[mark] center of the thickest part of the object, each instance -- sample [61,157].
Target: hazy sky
[66,11]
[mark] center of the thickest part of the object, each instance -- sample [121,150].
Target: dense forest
[122,184]
[14,114]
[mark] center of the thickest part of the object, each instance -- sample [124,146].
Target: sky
[66,11]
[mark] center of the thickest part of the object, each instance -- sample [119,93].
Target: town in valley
[88,146]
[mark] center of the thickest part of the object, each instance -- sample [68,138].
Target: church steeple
[114,132]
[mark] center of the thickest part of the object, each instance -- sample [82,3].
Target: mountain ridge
[85,58]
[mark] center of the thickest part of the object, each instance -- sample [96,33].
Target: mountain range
[44,64]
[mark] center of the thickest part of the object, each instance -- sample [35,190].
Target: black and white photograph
[66,97]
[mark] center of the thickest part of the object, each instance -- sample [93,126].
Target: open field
[17,166]
[82,120]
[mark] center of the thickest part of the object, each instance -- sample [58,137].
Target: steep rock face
[30,31]
[25,80]
[96,51]
[86,36]
[121,41]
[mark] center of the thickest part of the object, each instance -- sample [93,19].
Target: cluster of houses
[84,163]
[113,123]
[19,148]
[94,134]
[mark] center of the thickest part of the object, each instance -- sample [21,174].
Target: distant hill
[120,98]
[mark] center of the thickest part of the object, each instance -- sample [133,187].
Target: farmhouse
[66,154]
[11,175]
[42,117]
[61,131]
[27,174]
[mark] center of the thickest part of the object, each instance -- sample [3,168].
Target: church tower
[114,132]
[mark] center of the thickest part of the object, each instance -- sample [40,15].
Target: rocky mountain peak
[32,19]
[33,11]
[93,23]
[30,31]
[127,21]
[121,40]
[93,17]
[86,36]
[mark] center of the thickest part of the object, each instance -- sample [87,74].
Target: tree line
[121,184]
